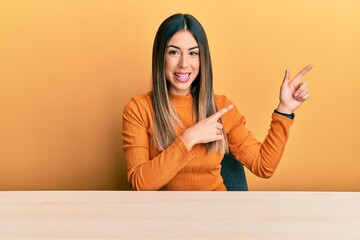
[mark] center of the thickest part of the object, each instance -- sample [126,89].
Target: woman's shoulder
[141,101]
[231,119]
[222,101]
[143,97]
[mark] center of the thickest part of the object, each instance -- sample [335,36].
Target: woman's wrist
[291,116]
[283,109]
[186,140]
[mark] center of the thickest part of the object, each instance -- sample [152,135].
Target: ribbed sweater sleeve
[260,158]
[145,173]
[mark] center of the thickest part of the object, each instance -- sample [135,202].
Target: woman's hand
[207,130]
[293,92]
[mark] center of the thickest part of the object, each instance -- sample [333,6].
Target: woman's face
[182,62]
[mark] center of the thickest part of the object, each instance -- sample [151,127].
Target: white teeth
[183,75]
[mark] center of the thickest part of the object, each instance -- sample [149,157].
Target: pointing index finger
[222,111]
[302,73]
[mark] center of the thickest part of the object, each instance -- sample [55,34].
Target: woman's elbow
[265,173]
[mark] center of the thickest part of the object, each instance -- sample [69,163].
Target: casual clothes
[176,168]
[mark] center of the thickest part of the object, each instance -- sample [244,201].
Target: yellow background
[68,67]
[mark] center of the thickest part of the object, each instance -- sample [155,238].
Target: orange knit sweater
[176,168]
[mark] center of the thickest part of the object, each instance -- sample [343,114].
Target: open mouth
[182,77]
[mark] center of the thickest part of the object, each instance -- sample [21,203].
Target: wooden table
[179,215]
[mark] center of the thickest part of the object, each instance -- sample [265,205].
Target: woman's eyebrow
[180,48]
[193,47]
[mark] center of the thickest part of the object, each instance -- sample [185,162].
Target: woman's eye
[172,52]
[193,53]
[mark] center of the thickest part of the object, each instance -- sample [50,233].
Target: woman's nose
[183,61]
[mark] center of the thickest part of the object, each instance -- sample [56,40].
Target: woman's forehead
[183,39]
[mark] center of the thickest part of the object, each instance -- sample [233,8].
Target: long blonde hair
[165,117]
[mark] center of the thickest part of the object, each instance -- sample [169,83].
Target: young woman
[175,136]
